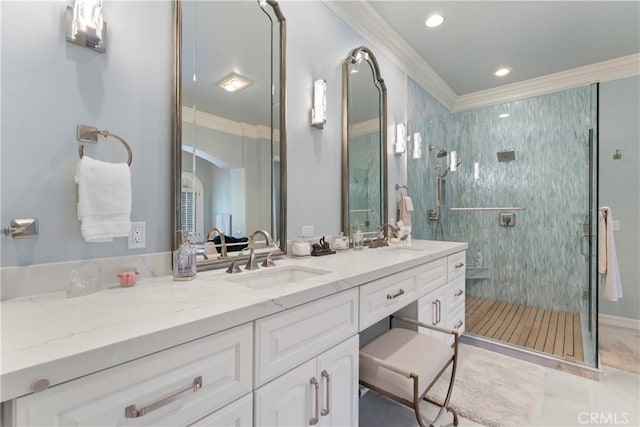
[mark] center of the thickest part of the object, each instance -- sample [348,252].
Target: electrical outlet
[138,235]
[307,231]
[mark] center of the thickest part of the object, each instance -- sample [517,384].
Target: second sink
[265,279]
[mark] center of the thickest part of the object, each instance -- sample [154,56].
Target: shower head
[441,151]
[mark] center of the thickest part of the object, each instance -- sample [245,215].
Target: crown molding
[614,69]
[365,20]
[210,121]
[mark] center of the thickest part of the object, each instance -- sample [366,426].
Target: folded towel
[405,207]
[104,199]
[607,257]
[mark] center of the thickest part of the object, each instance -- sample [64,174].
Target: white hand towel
[104,199]
[607,257]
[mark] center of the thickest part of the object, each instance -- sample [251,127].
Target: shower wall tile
[538,262]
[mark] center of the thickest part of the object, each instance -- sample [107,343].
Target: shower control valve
[507,219]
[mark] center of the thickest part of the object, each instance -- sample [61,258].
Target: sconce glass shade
[401,138]
[85,26]
[417,145]
[319,110]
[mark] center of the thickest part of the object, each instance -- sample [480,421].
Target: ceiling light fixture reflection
[234,83]
[501,72]
[504,115]
[434,20]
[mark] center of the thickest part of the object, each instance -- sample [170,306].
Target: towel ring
[106,134]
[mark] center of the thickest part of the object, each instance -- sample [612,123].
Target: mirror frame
[351,59]
[176,113]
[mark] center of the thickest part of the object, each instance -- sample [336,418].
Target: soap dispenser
[358,237]
[184,260]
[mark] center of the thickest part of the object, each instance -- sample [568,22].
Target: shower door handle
[587,238]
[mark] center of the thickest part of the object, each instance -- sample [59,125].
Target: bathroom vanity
[278,346]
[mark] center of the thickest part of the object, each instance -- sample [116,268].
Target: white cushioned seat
[407,350]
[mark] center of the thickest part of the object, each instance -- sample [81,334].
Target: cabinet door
[235,414]
[432,310]
[289,400]
[338,375]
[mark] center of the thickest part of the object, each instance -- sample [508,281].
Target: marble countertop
[58,338]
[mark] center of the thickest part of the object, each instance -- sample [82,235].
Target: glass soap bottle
[184,260]
[358,238]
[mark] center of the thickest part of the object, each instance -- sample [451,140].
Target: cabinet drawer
[457,293]
[431,276]
[457,321]
[456,265]
[238,413]
[382,297]
[286,339]
[222,361]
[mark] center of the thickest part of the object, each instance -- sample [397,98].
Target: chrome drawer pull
[460,265]
[460,323]
[460,292]
[396,295]
[132,411]
[434,313]
[327,410]
[314,382]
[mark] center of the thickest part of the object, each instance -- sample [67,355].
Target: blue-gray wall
[50,85]
[620,185]
[538,262]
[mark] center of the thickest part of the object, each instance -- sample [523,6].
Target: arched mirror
[364,135]
[230,126]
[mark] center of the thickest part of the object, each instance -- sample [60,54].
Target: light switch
[616,225]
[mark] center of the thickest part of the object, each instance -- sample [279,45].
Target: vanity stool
[403,365]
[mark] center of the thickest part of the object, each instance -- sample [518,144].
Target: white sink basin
[276,276]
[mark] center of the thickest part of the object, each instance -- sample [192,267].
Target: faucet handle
[233,267]
[268,262]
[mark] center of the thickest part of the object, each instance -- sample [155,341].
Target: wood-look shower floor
[552,332]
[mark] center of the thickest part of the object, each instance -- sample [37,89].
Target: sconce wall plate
[81,38]
[319,110]
[401,139]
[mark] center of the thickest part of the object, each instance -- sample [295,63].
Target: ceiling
[535,38]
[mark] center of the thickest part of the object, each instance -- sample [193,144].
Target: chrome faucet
[394,230]
[223,244]
[251,262]
[383,241]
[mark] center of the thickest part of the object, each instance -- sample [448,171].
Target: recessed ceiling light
[434,20]
[501,72]
[504,115]
[234,82]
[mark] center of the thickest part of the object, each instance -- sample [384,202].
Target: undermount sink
[276,276]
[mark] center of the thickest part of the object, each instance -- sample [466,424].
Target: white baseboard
[619,322]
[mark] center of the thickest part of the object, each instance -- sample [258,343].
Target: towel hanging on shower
[405,207]
[607,258]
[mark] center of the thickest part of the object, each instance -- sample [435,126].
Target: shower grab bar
[515,208]
[360,210]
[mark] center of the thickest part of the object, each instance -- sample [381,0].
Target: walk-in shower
[534,287]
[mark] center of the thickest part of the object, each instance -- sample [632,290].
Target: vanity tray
[322,252]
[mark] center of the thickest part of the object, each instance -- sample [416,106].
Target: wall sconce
[417,145]
[85,26]
[319,110]
[401,138]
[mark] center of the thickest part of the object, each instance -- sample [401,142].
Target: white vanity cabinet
[311,355]
[322,391]
[443,305]
[178,386]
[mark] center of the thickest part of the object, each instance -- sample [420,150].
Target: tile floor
[569,400]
